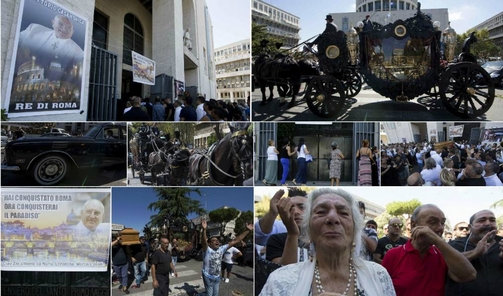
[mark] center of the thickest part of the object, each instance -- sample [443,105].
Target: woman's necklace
[352,274]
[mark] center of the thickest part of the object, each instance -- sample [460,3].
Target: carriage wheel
[353,84]
[467,90]
[325,96]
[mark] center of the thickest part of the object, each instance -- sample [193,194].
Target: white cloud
[454,16]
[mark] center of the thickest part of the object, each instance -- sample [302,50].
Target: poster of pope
[48,73]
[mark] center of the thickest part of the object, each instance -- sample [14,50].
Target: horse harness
[207,175]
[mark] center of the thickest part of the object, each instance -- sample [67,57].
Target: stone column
[167,38]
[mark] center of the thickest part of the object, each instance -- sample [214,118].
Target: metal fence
[102,105]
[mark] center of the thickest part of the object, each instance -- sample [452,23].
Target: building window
[371,6]
[401,7]
[100,30]
[133,38]
[378,5]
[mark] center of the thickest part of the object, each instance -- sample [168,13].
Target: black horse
[228,162]
[178,167]
[282,71]
[157,160]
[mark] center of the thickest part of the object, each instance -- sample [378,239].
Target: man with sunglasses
[391,240]
[461,230]
[482,248]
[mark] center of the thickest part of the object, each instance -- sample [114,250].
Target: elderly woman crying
[332,225]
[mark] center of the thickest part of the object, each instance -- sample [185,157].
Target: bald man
[91,218]
[421,266]
[415,180]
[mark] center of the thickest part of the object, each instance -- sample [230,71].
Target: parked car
[48,160]
[494,68]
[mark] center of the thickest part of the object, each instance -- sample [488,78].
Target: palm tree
[174,204]
[497,204]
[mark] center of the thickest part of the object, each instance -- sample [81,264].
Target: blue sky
[231,20]
[129,204]
[463,14]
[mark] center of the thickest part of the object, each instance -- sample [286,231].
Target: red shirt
[413,275]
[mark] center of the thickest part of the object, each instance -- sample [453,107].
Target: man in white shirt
[91,226]
[227,263]
[491,169]
[200,107]
[46,44]
[438,159]
[178,110]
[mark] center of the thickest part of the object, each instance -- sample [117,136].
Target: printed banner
[456,131]
[55,229]
[179,88]
[47,76]
[143,69]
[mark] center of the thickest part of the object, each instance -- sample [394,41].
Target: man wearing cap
[369,235]
[330,28]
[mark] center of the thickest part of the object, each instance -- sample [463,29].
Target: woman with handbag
[287,150]
[335,164]
[301,177]
[365,158]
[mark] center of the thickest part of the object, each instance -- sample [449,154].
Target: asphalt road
[111,176]
[189,282]
[369,106]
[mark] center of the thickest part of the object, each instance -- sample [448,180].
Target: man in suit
[330,28]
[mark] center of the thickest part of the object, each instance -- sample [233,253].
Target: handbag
[358,157]
[309,158]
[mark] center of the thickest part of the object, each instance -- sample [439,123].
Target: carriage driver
[330,28]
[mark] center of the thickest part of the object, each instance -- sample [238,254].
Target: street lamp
[450,42]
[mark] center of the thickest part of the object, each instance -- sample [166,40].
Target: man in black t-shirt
[482,247]
[139,258]
[391,240]
[120,263]
[161,265]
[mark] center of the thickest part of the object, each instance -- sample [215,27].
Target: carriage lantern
[352,42]
[450,42]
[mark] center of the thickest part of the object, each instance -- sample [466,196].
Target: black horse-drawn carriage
[166,160]
[400,61]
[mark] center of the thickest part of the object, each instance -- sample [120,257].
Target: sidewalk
[309,183]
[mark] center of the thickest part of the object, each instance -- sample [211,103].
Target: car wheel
[50,169]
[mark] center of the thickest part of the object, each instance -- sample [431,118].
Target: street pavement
[369,106]
[189,282]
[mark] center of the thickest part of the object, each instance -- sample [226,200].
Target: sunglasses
[463,228]
[396,225]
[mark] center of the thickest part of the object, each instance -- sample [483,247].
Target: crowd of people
[449,164]
[158,258]
[321,246]
[184,109]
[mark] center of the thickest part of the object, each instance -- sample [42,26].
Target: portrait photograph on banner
[47,76]
[55,229]
[143,69]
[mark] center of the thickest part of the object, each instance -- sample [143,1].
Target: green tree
[382,220]
[483,48]
[174,204]
[399,208]
[240,227]
[259,33]
[223,216]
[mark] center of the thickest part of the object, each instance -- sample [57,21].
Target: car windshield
[93,131]
[493,65]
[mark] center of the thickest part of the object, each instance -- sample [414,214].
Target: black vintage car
[49,159]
